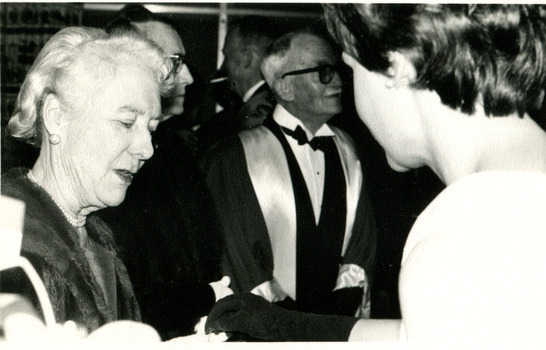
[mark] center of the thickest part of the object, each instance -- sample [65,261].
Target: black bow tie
[319,142]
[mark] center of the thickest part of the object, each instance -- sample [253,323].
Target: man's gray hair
[275,57]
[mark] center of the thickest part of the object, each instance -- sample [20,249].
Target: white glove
[221,288]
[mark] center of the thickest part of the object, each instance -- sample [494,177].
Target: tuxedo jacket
[248,178]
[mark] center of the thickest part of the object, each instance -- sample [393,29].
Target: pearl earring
[54,139]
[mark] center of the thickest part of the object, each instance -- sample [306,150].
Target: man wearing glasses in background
[295,214]
[245,97]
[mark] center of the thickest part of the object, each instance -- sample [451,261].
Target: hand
[253,315]
[256,110]
[221,288]
[246,313]
[345,301]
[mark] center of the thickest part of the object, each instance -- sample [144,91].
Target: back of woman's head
[74,65]
[468,54]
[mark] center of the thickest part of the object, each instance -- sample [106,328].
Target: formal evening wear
[265,208]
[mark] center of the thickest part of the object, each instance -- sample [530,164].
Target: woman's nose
[348,59]
[142,145]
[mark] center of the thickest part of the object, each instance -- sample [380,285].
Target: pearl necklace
[71,219]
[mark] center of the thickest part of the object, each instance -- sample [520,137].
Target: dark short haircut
[255,30]
[460,51]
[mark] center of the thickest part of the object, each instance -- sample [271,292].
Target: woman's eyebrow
[131,109]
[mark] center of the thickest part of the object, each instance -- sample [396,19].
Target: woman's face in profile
[390,114]
[109,139]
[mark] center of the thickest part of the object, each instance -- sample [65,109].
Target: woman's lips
[125,175]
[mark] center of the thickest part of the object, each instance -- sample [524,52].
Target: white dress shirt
[252,90]
[311,162]
[282,234]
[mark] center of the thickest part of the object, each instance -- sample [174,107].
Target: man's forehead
[307,40]
[165,37]
[308,49]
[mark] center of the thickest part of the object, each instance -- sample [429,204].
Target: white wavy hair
[69,61]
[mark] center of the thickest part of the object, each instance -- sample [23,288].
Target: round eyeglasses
[326,72]
[178,63]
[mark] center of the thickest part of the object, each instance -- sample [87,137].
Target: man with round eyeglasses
[295,213]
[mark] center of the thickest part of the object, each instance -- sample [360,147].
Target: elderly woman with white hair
[89,102]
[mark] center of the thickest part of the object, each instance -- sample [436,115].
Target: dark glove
[287,303]
[258,318]
[345,301]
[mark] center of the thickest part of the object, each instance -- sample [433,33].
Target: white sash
[353,179]
[268,170]
[270,176]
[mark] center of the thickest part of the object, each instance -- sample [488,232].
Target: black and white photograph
[178,175]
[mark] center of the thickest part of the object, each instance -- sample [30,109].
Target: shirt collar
[287,120]
[252,90]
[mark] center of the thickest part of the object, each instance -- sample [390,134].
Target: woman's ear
[283,89]
[401,72]
[52,114]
